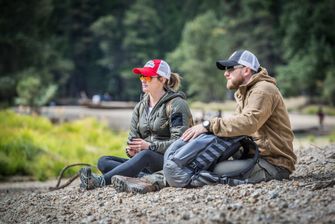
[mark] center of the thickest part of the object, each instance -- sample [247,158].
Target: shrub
[31,145]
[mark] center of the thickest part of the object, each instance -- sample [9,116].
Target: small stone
[255,194]
[296,184]
[186,216]
[209,198]
[273,194]
[219,217]
[252,200]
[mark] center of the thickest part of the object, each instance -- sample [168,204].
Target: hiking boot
[90,180]
[132,184]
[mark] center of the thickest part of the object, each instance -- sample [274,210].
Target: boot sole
[85,174]
[121,186]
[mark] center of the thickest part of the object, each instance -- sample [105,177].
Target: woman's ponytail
[174,82]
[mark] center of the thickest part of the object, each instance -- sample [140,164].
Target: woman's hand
[130,152]
[193,132]
[137,145]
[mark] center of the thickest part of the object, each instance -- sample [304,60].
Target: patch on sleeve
[177,119]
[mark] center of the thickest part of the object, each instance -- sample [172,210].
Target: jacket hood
[262,75]
[169,95]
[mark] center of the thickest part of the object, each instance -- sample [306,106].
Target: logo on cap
[150,64]
[154,67]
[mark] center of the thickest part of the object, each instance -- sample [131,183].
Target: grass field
[33,146]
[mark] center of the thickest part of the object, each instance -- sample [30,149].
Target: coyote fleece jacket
[262,114]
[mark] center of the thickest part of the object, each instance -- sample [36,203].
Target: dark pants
[146,161]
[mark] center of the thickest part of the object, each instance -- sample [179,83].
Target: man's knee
[229,167]
[264,171]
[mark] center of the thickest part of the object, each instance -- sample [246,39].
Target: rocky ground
[308,197]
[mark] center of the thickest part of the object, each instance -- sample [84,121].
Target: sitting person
[158,119]
[260,113]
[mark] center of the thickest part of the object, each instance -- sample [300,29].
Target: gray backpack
[189,164]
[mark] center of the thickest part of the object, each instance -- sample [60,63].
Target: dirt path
[119,119]
[308,197]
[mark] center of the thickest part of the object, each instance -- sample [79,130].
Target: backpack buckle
[194,167]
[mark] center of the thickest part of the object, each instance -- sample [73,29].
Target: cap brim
[144,71]
[224,64]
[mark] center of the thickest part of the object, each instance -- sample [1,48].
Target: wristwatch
[206,124]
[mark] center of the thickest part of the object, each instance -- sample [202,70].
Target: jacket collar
[262,75]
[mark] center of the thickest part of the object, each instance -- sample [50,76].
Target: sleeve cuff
[153,147]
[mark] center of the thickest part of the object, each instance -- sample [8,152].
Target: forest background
[57,50]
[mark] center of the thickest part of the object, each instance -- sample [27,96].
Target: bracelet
[128,153]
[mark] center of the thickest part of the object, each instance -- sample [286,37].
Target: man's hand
[193,132]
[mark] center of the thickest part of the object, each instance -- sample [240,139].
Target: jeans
[146,161]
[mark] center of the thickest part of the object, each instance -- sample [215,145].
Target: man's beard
[234,83]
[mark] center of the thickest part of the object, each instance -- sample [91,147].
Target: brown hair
[174,82]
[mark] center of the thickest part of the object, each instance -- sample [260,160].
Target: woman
[158,119]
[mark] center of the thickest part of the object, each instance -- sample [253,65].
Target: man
[260,113]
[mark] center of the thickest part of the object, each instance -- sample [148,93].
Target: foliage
[202,43]
[107,36]
[7,88]
[32,92]
[308,45]
[33,146]
[88,47]
[332,137]
[329,87]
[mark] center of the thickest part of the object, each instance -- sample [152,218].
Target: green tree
[107,36]
[81,14]
[308,45]
[7,89]
[23,34]
[201,45]
[142,26]
[252,25]
[32,92]
[256,25]
[27,40]
[329,87]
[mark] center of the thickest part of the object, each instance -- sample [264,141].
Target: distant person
[260,113]
[96,99]
[160,118]
[106,97]
[321,116]
[83,95]
[219,114]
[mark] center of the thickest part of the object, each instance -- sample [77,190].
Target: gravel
[307,197]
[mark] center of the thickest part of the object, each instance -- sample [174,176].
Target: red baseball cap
[153,68]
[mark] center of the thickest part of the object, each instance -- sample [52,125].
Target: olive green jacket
[167,121]
[262,114]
